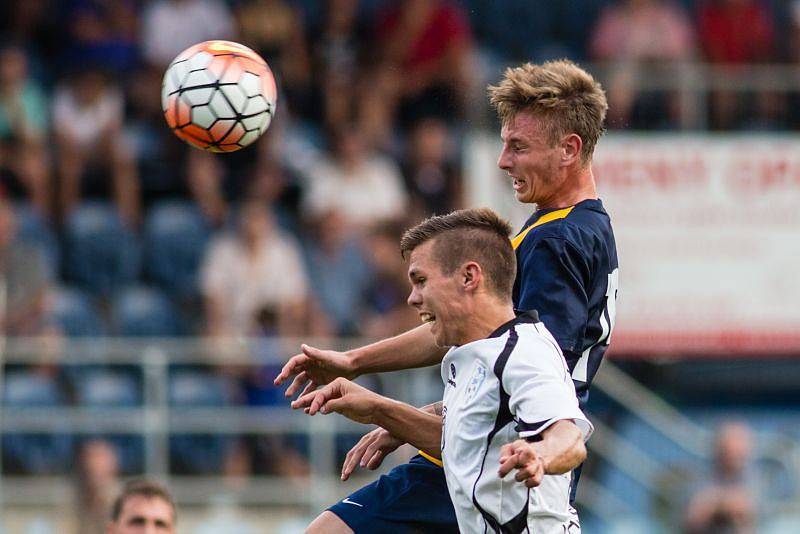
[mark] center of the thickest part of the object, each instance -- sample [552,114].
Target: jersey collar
[530,316]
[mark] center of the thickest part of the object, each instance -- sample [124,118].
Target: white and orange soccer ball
[218,96]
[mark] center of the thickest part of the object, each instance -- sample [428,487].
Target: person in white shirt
[509,402]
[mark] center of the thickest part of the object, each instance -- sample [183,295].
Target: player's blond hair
[563,95]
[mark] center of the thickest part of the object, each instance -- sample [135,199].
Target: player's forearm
[414,348]
[562,448]
[416,426]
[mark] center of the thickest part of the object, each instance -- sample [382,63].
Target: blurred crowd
[111,226]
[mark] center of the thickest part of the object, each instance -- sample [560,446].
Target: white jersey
[511,385]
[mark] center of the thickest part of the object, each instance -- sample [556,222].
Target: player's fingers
[354,457]
[313,352]
[303,401]
[311,386]
[376,460]
[507,465]
[373,447]
[534,480]
[292,367]
[298,382]
[332,405]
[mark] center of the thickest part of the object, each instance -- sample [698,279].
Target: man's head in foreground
[143,507]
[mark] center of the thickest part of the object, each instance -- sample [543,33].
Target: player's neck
[487,318]
[581,187]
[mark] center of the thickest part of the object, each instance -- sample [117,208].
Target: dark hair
[478,235]
[149,489]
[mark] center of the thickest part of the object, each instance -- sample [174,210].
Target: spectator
[733,33]
[631,34]
[170,26]
[365,187]
[24,280]
[339,272]
[424,54]
[24,171]
[338,55]
[104,33]
[258,269]
[143,505]
[97,484]
[431,177]
[388,309]
[274,29]
[727,504]
[90,150]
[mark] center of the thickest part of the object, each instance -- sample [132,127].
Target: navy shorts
[411,499]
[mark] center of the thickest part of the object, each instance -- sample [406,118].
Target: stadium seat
[39,454]
[175,238]
[199,454]
[32,228]
[112,387]
[140,311]
[74,312]
[104,387]
[100,253]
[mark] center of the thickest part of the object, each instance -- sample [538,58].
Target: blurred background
[150,292]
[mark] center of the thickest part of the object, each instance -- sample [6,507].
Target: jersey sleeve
[554,284]
[541,392]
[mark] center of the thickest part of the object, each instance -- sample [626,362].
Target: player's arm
[407,423]
[314,367]
[560,450]
[376,445]
[548,419]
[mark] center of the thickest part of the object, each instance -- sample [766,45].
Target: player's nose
[414,298]
[504,160]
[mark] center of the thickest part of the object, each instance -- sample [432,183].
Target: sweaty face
[144,515]
[437,297]
[529,160]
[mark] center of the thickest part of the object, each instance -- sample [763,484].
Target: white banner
[708,234]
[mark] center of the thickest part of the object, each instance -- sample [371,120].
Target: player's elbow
[578,453]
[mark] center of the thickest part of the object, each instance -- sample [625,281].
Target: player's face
[144,515]
[530,161]
[436,296]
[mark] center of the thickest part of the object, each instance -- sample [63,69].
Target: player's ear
[472,276]
[571,146]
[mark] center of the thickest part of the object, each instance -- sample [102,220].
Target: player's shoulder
[585,226]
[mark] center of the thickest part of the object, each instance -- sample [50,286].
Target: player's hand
[521,456]
[370,451]
[342,396]
[314,367]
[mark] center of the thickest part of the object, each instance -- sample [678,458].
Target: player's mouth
[517,184]
[427,317]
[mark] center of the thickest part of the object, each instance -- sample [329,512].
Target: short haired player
[504,376]
[552,116]
[143,507]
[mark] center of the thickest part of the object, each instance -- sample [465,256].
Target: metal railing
[155,420]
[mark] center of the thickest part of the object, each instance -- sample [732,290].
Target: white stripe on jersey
[498,390]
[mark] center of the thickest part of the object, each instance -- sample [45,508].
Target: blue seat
[104,387]
[115,387]
[175,239]
[39,454]
[199,454]
[140,311]
[33,228]
[74,312]
[100,253]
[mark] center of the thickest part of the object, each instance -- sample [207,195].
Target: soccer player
[143,507]
[552,117]
[504,378]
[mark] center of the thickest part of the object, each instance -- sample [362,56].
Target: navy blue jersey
[567,271]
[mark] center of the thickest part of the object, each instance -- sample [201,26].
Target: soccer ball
[218,96]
